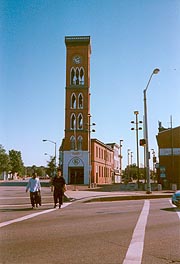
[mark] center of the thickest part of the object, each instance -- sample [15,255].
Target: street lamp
[137,143]
[46,154]
[47,140]
[147,156]
[120,156]
[89,146]
[128,154]
[131,157]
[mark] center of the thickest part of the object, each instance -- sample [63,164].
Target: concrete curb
[123,198]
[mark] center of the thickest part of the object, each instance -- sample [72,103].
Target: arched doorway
[76,175]
[76,171]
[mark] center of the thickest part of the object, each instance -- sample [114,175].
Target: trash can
[174,187]
[159,187]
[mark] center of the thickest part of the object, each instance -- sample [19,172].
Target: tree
[4,160]
[16,162]
[51,167]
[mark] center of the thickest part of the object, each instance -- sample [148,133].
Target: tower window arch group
[77,76]
[76,123]
[76,145]
[77,101]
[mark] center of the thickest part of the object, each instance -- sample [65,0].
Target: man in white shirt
[34,187]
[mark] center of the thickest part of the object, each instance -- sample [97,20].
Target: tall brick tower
[74,151]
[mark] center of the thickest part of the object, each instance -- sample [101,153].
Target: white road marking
[22,205]
[30,216]
[135,250]
[178,213]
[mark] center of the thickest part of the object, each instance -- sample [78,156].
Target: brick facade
[169,157]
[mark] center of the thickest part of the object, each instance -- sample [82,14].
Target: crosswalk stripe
[20,219]
[135,250]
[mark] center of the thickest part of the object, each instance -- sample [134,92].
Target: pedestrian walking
[59,187]
[34,187]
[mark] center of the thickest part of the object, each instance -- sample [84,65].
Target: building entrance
[76,175]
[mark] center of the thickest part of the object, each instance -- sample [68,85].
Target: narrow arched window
[73,101]
[82,76]
[72,142]
[73,77]
[80,121]
[79,142]
[80,101]
[77,76]
[73,121]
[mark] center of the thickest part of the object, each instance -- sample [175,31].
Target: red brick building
[169,157]
[102,162]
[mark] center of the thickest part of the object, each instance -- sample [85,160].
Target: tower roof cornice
[77,40]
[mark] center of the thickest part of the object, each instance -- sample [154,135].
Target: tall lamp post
[128,156]
[137,141]
[47,140]
[147,156]
[131,158]
[120,157]
[89,146]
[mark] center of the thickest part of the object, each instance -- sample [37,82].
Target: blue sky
[129,38]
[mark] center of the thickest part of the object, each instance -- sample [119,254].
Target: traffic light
[142,142]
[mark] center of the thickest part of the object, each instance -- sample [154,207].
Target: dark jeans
[33,198]
[58,195]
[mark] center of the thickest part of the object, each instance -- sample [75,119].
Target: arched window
[73,121]
[77,76]
[81,76]
[80,101]
[73,77]
[80,121]
[79,142]
[73,142]
[73,101]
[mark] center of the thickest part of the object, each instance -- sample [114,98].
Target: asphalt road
[136,231]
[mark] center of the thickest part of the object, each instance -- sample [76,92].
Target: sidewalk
[98,194]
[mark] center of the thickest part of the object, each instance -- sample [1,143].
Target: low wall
[142,187]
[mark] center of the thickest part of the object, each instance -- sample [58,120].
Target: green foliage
[4,160]
[131,173]
[16,162]
[13,163]
[51,167]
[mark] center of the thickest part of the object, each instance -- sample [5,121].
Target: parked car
[176,198]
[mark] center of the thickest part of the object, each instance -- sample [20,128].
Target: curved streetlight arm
[48,140]
[148,82]
[156,71]
[44,140]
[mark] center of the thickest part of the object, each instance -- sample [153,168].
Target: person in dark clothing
[58,183]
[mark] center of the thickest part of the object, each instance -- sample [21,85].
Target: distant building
[169,157]
[116,162]
[102,160]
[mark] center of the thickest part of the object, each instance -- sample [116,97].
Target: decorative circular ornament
[77,59]
[76,161]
